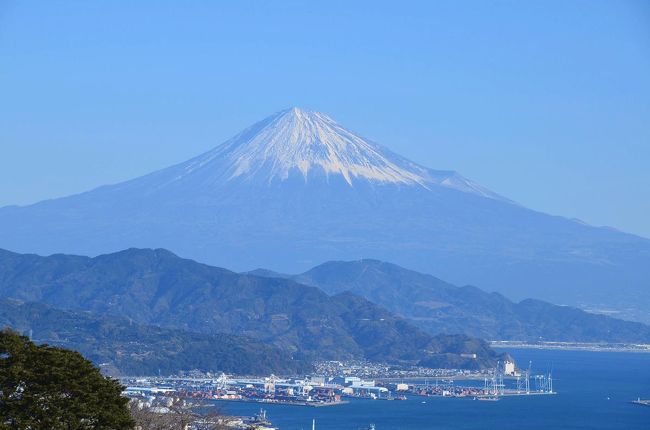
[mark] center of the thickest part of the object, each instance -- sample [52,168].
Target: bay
[594,392]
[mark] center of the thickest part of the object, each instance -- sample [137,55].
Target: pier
[496,384]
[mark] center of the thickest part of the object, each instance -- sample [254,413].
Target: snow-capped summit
[311,144]
[308,143]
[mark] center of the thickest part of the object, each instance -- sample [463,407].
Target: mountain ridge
[440,307]
[156,287]
[121,347]
[293,221]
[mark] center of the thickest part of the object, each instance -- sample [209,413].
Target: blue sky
[547,103]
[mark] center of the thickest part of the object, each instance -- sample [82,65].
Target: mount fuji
[297,189]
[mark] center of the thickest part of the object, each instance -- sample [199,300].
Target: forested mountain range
[156,287]
[121,347]
[440,307]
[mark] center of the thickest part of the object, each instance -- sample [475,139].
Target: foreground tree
[43,387]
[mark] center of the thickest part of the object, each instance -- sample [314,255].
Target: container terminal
[337,388]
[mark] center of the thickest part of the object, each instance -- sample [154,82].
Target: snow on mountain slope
[312,145]
[301,140]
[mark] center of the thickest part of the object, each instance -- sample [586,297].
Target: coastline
[573,346]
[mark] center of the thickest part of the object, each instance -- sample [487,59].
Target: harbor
[347,382]
[583,381]
[595,391]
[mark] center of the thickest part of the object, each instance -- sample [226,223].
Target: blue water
[594,390]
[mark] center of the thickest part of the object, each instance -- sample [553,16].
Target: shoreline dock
[284,402]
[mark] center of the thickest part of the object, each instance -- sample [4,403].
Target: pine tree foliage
[43,387]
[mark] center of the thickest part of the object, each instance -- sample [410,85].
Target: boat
[641,402]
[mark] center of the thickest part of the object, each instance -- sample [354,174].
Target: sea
[594,391]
